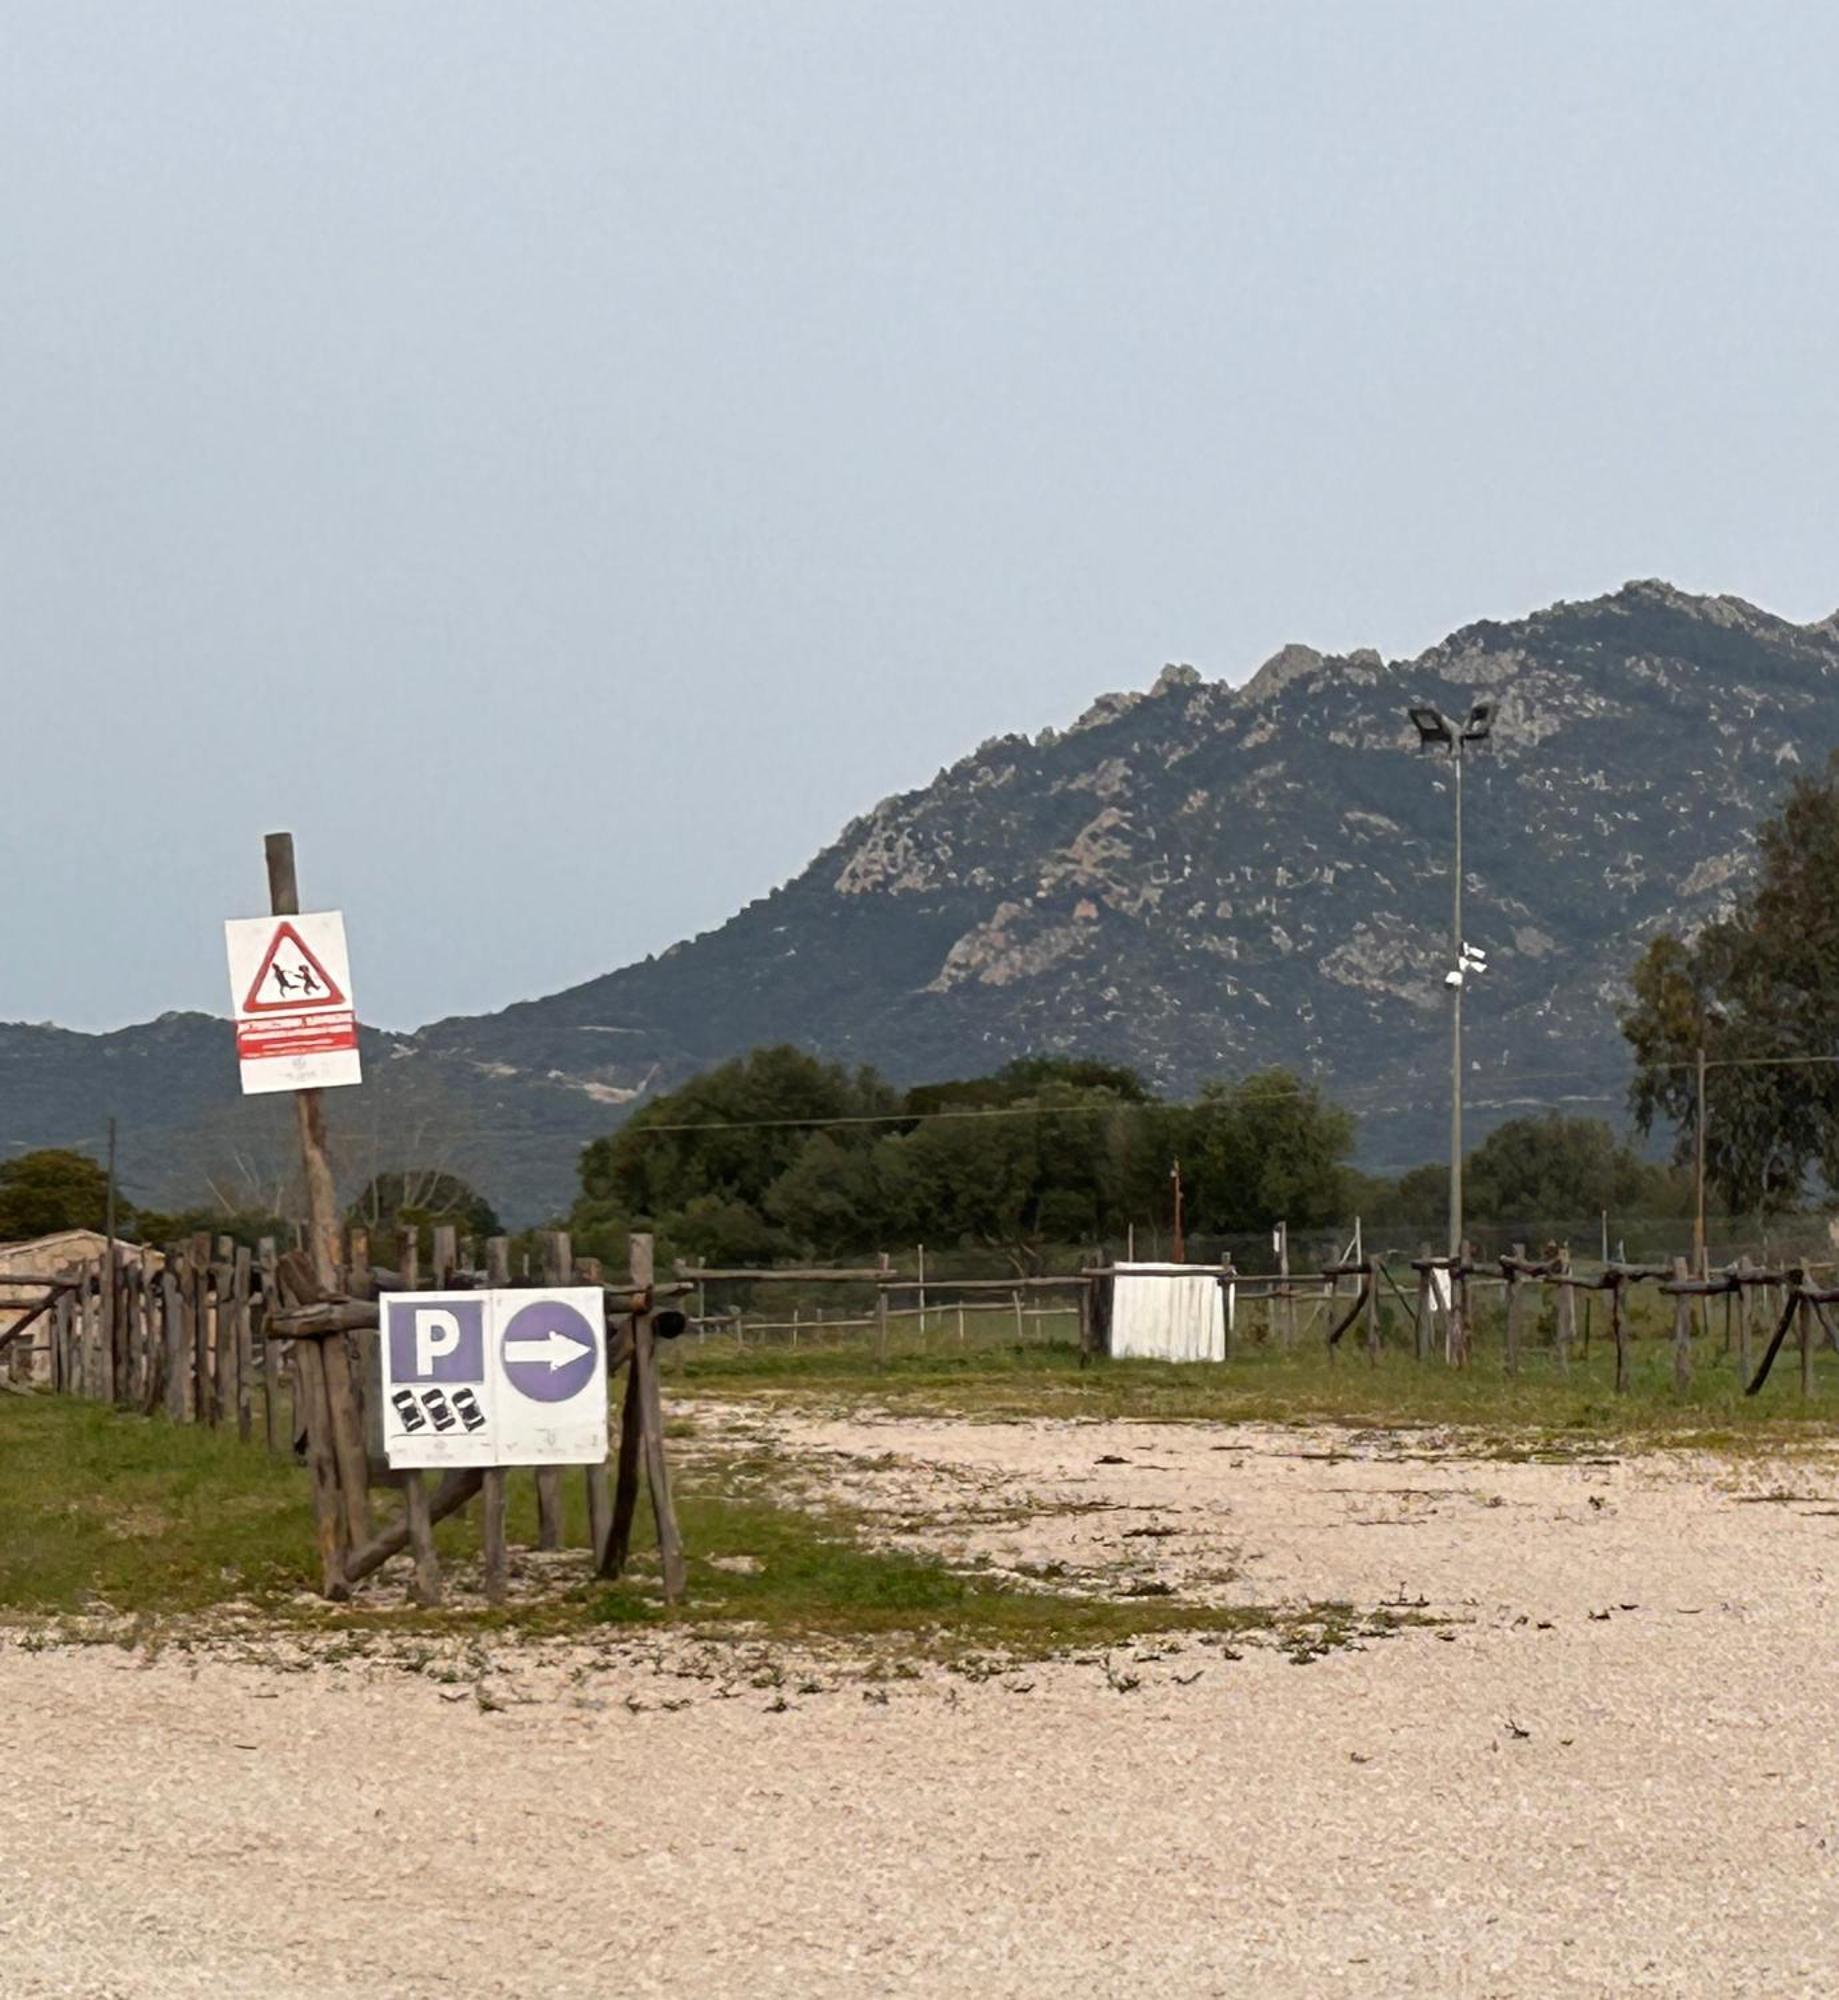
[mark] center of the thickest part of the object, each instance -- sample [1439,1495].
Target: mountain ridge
[1194,878]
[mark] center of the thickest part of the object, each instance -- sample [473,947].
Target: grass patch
[1267,1385]
[112,1514]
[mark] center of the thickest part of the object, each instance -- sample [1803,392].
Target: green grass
[999,1382]
[112,1515]
[102,1513]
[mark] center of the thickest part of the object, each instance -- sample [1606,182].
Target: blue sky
[564,461]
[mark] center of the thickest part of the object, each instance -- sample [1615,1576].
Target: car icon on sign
[409,1410]
[436,1406]
[468,1406]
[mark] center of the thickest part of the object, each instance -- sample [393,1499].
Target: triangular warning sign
[291,979]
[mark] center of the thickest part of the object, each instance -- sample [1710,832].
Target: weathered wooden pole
[1421,1324]
[1682,1328]
[558,1268]
[1744,1289]
[1511,1334]
[322,1365]
[495,1553]
[1564,1312]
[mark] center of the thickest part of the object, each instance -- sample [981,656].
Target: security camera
[1452,977]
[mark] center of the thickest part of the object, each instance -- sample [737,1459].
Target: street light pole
[1436,731]
[1455,1050]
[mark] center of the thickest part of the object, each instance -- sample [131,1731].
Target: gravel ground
[1612,1765]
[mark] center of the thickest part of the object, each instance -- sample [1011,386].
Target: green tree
[1267,1149]
[727,1134]
[1758,991]
[53,1189]
[1550,1168]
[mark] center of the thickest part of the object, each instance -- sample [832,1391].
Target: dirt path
[1529,1799]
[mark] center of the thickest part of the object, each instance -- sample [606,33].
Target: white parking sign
[494,1378]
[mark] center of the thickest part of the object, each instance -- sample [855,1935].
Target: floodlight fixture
[1480,725]
[1433,730]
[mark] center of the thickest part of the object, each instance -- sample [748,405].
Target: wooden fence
[210,1332]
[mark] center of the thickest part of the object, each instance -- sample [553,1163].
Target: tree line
[777,1155]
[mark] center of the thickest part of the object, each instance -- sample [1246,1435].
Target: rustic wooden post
[558,1269]
[881,1317]
[1283,1288]
[1421,1323]
[1372,1311]
[642,1437]
[322,1367]
[1806,1333]
[276,1437]
[495,1554]
[60,1344]
[1682,1327]
[417,1514]
[1511,1319]
[198,1315]
[426,1587]
[1564,1313]
[245,1343]
[176,1330]
[106,1356]
[358,1280]
[657,1473]
[223,1360]
[153,1352]
[1618,1327]
[1744,1268]
[626,1476]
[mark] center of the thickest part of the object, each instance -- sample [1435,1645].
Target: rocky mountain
[1197,880]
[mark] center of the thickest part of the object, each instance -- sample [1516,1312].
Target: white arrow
[555,1347]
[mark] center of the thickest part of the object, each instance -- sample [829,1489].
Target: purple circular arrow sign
[549,1351]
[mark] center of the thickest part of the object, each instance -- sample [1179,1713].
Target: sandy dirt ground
[1609,1763]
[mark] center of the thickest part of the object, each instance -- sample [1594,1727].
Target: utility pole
[1180,1244]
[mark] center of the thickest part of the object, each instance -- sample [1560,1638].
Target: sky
[564,461]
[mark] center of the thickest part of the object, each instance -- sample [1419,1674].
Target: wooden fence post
[275,1435]
[1682,1327]
[495,1554]
[245,1343]
[1421,1325]
[642,1438]
[881,1318]
[1618,1327]
[1511,1326]
[1744,1288]
[1564,1313]
[1372,1310]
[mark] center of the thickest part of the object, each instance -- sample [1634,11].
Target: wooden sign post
[322,1368]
